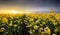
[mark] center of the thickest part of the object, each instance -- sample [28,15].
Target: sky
[30,5]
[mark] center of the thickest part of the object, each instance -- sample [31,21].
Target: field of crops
[30,24]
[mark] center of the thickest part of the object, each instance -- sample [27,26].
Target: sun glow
[13,11]
[21,12]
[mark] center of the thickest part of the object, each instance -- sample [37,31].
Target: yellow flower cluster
[2,29]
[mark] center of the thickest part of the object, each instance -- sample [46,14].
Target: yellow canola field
[36,24]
